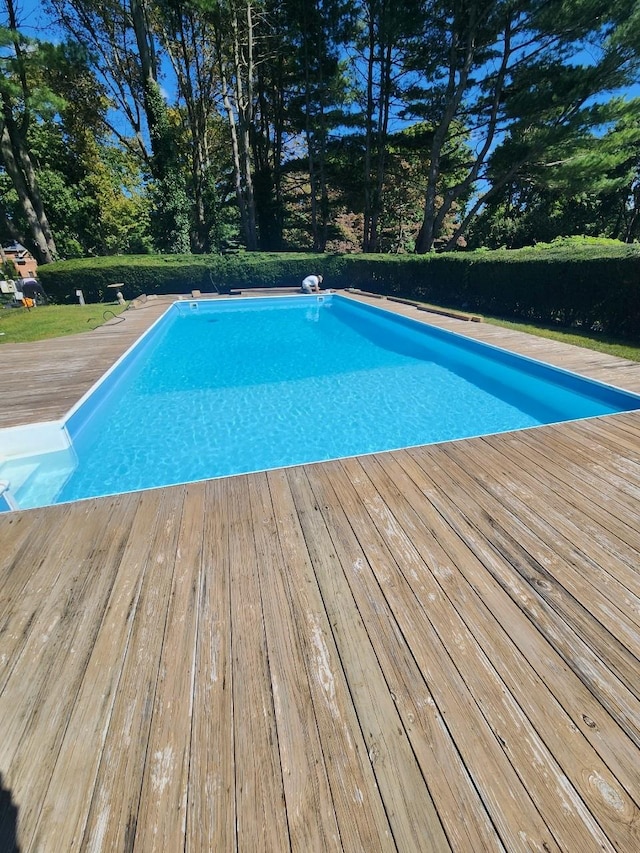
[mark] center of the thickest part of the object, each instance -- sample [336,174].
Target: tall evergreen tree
[510,70]
[586,185]
[383,36]
[318,32]
[22,93]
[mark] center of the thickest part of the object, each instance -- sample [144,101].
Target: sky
[34,21]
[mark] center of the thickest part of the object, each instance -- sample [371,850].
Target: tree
[587,185]
[318,31]
[187,31]
[402,189]
[385,31]
[90,189]
[509,71]
[121,39]
[20,97]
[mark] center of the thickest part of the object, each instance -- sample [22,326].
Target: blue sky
[33,20]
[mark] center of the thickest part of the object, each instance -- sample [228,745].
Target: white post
[80,296]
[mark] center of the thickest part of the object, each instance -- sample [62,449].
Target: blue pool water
[220,388]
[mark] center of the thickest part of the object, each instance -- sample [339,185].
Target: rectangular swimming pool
[217,388]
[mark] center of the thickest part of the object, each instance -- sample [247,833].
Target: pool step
[36,481]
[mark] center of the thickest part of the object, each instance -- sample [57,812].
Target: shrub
[582,283]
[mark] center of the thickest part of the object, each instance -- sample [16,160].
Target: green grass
[17,325]
[588,340]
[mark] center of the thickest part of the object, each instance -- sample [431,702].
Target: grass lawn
[18,325]
[589,340]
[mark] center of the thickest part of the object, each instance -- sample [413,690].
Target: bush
[586,284]
[164,274]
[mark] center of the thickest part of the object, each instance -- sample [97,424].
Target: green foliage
[586,185]
[528,81]
[591,285]
[519,77]
[9,270]
[170,204]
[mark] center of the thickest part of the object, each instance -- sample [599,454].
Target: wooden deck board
[112,819]
[429,649]
[497,621]
[211,814]
[360,813]
[461,611]
[555,562]
[305,776]
[510,736]
[66,803]
[261,821]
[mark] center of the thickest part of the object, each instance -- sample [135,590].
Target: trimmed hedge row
[589,286]
[163,274]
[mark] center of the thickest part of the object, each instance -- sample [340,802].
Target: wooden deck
[430,649]
[43,380]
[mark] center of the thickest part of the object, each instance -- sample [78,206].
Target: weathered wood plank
[66,803]
[576,471]
[505,797]
[555,579]
[30,586]
[563,811]
[454,503]
[55,373]
[568,739]
[459,806]
[18,533]
[593,535]
[359,810]
[162,812]
[40,638]
[211,803]
[69,638]
[310,810]
[260,799]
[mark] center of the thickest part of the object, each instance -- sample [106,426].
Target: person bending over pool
[311,284]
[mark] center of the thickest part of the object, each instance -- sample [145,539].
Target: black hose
[118,319]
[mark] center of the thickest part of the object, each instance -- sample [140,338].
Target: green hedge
[163,274]
[583,285]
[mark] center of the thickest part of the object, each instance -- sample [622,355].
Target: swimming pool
[217,388]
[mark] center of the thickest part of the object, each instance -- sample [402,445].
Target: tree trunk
[368,151]
[240,119]
[381,145]
[188,57]
[455,91]
[17,158]
[43,242]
